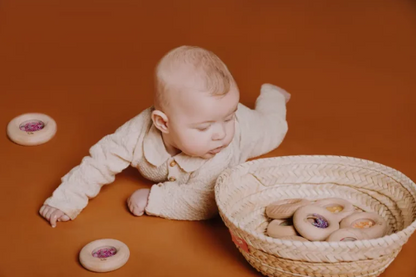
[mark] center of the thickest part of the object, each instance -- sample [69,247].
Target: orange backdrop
[350,66]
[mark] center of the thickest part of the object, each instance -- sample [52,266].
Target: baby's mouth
[216,150]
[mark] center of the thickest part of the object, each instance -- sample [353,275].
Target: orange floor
[350,66]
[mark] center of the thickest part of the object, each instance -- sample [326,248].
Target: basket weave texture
[243,192]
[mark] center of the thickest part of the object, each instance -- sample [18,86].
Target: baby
[196,129]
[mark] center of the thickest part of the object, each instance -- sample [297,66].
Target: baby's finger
[48,213]
[45,210]
[42,209]
[137,211]
[52,220]
[64,217]
[54,216]
[132,210]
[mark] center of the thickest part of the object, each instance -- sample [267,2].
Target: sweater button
[172,179]
[172,163]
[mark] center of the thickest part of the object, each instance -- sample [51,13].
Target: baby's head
[196,98]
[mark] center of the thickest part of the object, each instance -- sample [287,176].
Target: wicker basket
[243,192]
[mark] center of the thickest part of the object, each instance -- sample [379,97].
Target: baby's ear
[160,120]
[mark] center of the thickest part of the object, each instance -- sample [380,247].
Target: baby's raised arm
[264,128]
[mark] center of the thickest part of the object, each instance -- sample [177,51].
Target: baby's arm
[264,128]
[109,156]
[188,201]
[193,200]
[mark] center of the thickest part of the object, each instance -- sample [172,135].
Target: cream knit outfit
[184,185]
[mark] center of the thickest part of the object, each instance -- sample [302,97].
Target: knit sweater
[183,186]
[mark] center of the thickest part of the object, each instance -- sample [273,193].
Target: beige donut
[314,223]
[31,129]
[339,207]
[281,228]
[298,238]
[285,208]
[347,234]
[104,255]
[370,223]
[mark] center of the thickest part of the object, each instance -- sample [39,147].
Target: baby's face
[200,124]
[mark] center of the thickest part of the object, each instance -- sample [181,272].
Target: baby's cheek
[199,140]
[196,142]
[230,133]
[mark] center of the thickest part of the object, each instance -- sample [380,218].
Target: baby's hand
[53,215]
[137,202]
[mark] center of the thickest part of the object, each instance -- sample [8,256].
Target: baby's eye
[203,128]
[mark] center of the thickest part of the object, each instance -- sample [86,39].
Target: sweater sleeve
[264,128]
[109,156]
[193,200]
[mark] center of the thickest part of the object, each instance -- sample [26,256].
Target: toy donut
[314,223]
[339,207]
[347,234]
[285,208]
[31,129]
[370,223]
[104,255]
[281,228]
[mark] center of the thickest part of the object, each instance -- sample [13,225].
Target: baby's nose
[220,134]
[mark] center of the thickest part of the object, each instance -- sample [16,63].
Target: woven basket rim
[392,237]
